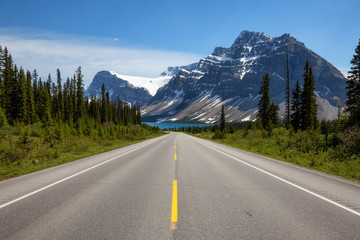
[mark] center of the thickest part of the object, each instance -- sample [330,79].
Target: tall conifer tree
[296,107]
[264,102]
[79,93]
[274,117]
[30,104]
[353,88]
[308,100]
[287,102]
[60,96]
[222,119]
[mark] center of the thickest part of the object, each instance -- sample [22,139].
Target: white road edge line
[74,175]
[283,180]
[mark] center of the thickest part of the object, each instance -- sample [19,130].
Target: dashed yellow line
[174,208]
[175,156]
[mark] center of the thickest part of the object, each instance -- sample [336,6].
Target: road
[179,187]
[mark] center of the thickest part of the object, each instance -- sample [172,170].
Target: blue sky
[142,37]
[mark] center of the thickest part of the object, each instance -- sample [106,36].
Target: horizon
[143,39]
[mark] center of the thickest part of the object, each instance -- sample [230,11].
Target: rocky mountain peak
[248,38]
[232,76]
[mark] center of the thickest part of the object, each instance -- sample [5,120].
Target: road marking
[285,181]
[175,146]
[175,157]
[174,208]
[67,178]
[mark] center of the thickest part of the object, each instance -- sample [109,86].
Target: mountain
[132,88]
[172,71]
[117,87]
[232,76]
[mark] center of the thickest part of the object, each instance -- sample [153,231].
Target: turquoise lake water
[176,125]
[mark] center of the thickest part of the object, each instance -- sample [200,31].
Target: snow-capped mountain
[232,76]
[117,87]
[132,89]
[151,84]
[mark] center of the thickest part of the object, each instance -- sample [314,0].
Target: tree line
[303,114]
[26,98]
[301,109]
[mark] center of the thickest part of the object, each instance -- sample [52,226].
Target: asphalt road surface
[179,187]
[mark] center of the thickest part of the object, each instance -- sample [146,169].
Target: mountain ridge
[232,76]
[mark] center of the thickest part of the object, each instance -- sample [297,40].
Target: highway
[179,187]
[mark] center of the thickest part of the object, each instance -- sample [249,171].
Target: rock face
[232,76]
[117,87]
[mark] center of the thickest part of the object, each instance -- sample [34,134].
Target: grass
[304,149]
[30,149]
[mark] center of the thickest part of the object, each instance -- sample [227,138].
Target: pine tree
[222,120]
[79,93]
[308,100]
[8,77]
[35,93]
[103,109]
[68,102]
[44,102]
[73,97]
[296,107]
[274,117]
[2,65]
[125,114]
[353,88]
[30,104]
[287,102]
[138,114]
[17,96]
[264,102]
[108,107]
[60,97]
[120,112]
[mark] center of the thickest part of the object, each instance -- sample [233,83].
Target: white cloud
[46,53]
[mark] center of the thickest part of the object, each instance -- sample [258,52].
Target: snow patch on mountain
[151,84]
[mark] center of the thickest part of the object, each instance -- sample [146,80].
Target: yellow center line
[174,208]
[175,156]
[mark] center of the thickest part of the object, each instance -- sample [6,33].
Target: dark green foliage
[264,102]
[217,133]
[27,99]
[274,117]
[308,100]
[79,94]
[288,92]
[59,107]
[353,88]
[268,113]
[296,107]
[3,120]
[222,119]
[30,104]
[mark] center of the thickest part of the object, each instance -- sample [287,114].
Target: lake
[176,125]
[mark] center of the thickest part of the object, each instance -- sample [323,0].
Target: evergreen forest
[49,122]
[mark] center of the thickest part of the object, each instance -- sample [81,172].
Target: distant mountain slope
[117,87]
[232,76]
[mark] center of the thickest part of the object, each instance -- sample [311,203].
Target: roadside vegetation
[46,123]
[329,146]
[336,152]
